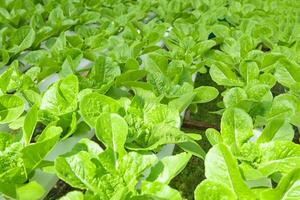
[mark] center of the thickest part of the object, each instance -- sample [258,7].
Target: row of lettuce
[125,70]
[257,61]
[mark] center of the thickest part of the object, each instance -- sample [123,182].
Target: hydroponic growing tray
[93,95]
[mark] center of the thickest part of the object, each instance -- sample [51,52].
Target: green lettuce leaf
[61,98]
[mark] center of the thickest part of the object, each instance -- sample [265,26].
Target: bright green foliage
[288,188]
[112,130]
[105,177]
[11,107]
[29,124]
[31,190]
[124,72]
[213,191]
[61,98]
[93,104]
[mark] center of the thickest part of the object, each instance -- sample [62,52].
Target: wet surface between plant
[59,190]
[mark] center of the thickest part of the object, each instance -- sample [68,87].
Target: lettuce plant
[240,165]
[130,175]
